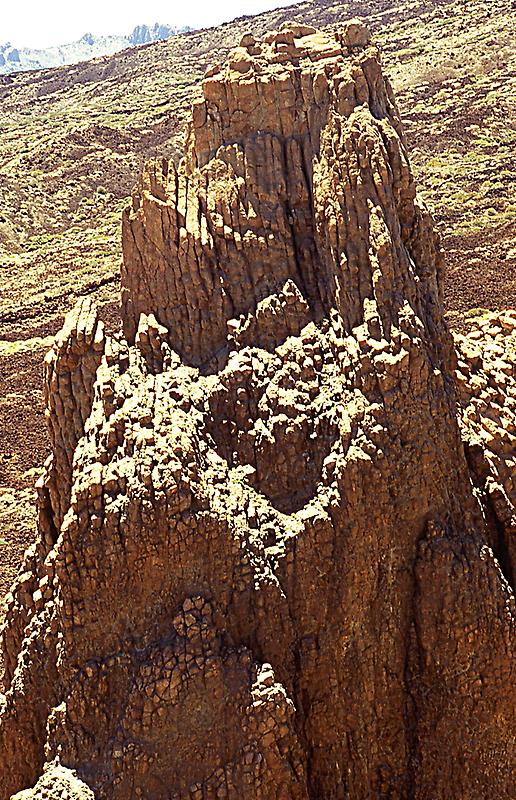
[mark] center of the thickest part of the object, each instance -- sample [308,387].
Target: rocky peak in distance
[143,34]
[13,59]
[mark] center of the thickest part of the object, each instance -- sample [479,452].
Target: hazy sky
[42,23]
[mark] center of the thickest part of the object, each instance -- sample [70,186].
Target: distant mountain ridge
[15,59]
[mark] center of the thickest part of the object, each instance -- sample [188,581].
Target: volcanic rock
[267,565]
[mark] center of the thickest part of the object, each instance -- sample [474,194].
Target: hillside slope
[74,141]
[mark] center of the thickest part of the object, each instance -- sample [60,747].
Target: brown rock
[263,570]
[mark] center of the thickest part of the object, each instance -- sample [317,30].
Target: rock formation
[274,559]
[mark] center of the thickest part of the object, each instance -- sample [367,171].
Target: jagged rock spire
[263,569]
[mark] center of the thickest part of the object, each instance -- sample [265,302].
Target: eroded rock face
[266,568]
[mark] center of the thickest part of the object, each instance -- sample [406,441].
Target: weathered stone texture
[266,568]
[487,387]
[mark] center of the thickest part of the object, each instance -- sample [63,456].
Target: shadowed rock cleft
[265,569]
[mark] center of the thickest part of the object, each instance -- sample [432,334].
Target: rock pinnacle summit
[275,555]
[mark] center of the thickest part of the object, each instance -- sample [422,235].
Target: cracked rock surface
[276,533]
